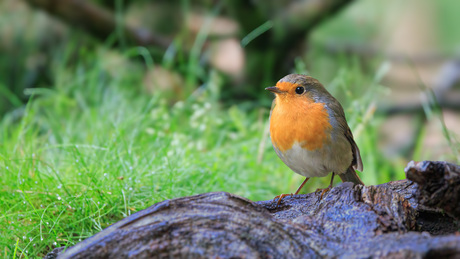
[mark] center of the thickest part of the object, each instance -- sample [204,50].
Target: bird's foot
[280,197]
[323,191]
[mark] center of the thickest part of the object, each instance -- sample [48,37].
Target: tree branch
[98,21]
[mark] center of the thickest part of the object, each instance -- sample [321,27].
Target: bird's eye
[299,90]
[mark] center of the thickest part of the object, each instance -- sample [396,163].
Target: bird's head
[299,87]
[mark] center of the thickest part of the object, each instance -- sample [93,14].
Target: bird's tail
[351,176]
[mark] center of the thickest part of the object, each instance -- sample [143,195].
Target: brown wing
[339,114]
[357,163]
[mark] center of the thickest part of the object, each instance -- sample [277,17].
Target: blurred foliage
[268,53]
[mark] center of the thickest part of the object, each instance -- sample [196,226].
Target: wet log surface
[395,219]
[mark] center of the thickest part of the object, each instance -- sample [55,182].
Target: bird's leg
[323,191]
[300,187]
[281,196]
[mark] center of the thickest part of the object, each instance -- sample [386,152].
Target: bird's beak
[274,89]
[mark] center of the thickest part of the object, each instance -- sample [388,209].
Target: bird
[310,134]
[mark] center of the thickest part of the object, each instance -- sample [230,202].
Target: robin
[309,132]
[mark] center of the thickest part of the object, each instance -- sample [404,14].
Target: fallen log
[388,220]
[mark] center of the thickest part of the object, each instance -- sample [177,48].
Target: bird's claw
[323,191]
[280,197]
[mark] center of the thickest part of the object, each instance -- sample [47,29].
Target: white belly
[320,162]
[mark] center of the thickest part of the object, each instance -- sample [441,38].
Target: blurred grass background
[91,133]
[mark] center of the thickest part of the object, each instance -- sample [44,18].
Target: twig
[416,108]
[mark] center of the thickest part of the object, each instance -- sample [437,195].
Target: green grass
[93,149]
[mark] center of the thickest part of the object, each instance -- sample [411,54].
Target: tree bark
[438,185]
[395,219]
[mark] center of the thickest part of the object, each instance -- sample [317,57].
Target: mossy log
[402,219]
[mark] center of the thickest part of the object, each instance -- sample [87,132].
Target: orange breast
[299,119]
